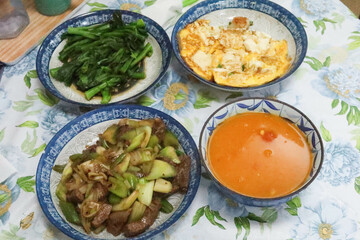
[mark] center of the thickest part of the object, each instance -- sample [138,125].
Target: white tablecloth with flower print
[326,88]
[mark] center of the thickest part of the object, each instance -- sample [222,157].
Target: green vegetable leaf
[199,213]
[314,63]
[149,2]
[253,217]
[29,124]
[2,134]
[97,4]
[344,108]
[145,101]
[325,133]
[327,61]
[357,185]
[28,144]
[21,106]
[46,97]
[203,99]
[39,149]
[26,183]
[11,234]
[334,103]
[27,81]
[234,95]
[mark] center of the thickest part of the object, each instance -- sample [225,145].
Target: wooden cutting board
[12,50]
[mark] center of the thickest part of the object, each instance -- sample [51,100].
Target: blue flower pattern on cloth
[340,82]
[53,119]
[341,164]
[218,201]
[24,65]
[324,220]
[173,95]
[5,103]
[130,5]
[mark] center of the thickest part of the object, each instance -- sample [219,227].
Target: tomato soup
[259,155]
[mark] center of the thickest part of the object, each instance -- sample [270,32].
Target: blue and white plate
[269,106]
[267,17]
[83,131]
[155,66]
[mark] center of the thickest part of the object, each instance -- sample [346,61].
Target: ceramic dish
[274,107]
[155,66]
[84,130]
[267,17]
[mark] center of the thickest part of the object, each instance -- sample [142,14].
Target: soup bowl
[268,106]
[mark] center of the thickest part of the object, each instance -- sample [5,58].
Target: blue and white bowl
[84,131]
[274,107]
[155,66]
[268,17]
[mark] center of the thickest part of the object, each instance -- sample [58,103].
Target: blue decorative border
[274,107]
[51,42]
[70,130]
[267,7]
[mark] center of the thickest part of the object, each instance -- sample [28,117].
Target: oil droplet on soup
[259,155]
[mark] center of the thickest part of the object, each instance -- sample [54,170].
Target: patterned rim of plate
[51,42]
[70,130]
[253,198]
[284,17]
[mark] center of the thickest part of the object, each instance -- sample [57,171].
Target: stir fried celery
[103,59]
[132,165]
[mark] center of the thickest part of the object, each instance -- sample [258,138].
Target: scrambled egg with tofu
[233,55]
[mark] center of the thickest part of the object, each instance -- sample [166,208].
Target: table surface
[326,88]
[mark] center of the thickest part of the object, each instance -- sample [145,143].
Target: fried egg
[233,55]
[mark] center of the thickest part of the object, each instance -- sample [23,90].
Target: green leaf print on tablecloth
[357,185]
[2,134]
[355,40]
[293,204]
[352,112]
[325,133]
[211,215]
[97,6]
[26,183]
[240,223]
[145,101]
[303,22]
[28,76]
[356,136]
[11,234]
[149,2]
[234,95]
[316,64]
[46,97]
[29,124]
[28,145]
[22,106]
[203,99]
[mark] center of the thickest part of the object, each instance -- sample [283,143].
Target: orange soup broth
[259,155]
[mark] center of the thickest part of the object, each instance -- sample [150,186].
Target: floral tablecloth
[326,88]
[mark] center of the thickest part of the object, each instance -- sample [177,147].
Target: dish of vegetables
[121,182]
[103,59]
